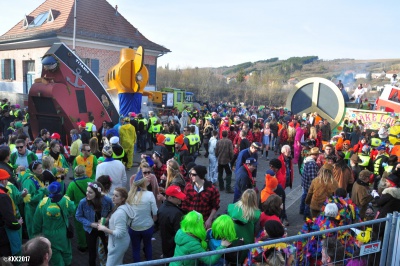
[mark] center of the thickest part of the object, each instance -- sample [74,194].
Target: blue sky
[213,33]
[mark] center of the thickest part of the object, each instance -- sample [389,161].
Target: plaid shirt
[158,172]
[203,202]
[310,171]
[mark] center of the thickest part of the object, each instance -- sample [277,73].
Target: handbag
[70,228]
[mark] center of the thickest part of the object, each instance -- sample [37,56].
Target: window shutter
[12,69]
[3,74]
[152,74]
[95,66]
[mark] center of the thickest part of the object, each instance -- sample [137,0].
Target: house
[378,75]
[101,32]
[363,75]
[389,74]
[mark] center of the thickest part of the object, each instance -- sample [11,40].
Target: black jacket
[388,203]
[169,219]
[7,219]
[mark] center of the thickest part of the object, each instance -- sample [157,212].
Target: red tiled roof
[96,20]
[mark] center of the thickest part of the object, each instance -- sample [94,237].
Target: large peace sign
[317,95]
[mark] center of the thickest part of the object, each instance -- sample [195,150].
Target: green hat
[18,125]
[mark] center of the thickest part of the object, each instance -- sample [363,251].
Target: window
[152,74]
[94,65]
[8,69]
[39,20]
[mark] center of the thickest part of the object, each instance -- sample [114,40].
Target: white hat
[114,140]
[331,210]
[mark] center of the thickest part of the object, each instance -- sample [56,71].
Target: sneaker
[285,222]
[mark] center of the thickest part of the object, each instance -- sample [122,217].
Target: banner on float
[372,120]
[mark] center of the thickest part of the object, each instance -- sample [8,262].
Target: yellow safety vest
[119,157]
[169,139]
[88,163]
[193,141]
[156,129]
[16,112]
[375,142]
[3,106]
[89,126]
[365,160]
[377,163]
[152,121]
[388,168]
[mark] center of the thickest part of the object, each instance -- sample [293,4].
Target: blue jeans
[304,208]
[136,239]
[142,142]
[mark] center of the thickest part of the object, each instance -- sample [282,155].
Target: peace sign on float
[317,95]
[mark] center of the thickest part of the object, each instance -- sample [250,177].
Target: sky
[214,33]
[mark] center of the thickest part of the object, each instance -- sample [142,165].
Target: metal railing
[389,243]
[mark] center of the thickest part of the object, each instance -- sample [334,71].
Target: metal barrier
[377,248]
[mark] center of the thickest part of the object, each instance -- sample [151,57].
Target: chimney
[116,10]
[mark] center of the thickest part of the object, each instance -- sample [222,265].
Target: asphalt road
[292,207]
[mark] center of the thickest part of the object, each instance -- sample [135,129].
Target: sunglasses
[19,147]
[88,150]
[146,173]
[193,174]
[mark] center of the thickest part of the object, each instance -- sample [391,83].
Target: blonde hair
[325,175]
[80,170]
[313,133]
[172,171]
[48,162]
[136,192]
[248,204]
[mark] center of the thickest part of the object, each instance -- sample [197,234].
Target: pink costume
[297,145]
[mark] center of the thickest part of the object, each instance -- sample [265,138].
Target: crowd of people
[345,178]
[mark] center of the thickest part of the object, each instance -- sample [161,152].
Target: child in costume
[191,239]
[51,220]
[223,228]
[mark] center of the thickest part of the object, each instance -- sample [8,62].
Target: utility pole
[74,32]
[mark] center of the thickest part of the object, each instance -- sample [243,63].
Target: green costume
[14,156]
[48,221]
[37,190]
[186,245]
[75,194]
[62,163]
[16,199]
[244,228]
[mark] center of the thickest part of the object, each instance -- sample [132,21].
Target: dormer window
[39,20]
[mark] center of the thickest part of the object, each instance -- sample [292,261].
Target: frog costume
[48,220]
[37,190]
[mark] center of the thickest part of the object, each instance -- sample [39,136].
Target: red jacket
[281,174]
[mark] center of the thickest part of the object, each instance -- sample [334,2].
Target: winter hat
[364,176]
[107,150]
[54,188]
[149,161]
[114,140]
[18,125]
[270,172]
[179,139]
[139,179]
[200,170]
[194,121]
[394,179]
[160,138]
[271,182]
[331,210]
[274,229]
[4,175]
